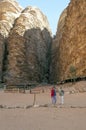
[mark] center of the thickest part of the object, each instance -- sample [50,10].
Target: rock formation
[9,11]
[69,46]
[25,44]
[28,48]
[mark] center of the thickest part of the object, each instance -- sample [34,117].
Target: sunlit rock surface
[69,46]
[9,11]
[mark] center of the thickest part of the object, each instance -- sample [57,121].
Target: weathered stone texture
[69,46]
[9,11]
[28,48]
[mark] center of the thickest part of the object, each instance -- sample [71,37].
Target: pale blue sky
[51,8]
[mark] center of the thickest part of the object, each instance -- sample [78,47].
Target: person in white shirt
[61,94]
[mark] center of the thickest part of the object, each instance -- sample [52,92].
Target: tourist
[53,95]
[61,94]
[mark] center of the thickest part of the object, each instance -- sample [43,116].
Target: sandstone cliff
[9,11]
[69,46]
[25,44]
[28,47]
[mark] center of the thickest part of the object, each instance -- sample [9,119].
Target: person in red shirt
[53,95]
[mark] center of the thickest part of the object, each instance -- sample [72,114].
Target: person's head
[60,87]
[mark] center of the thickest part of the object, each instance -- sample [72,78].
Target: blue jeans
[54,100]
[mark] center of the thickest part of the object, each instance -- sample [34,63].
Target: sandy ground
[70,116]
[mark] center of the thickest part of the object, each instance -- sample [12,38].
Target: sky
[51,8]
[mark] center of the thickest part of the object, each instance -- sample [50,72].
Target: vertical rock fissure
[4,60]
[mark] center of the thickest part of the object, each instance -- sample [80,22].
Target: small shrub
[73,73]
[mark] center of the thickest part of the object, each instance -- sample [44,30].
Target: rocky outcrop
[69,46]
[25,44]
[29,45]
[9,11]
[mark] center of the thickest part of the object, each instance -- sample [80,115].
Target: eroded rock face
[9,11]
[69,46]
[29,45]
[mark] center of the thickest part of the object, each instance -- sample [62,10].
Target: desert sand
[18,112]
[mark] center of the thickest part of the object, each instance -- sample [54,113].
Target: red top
[52,92]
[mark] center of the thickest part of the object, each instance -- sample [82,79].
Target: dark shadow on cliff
[33,57]
[38,45]
[2,55]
